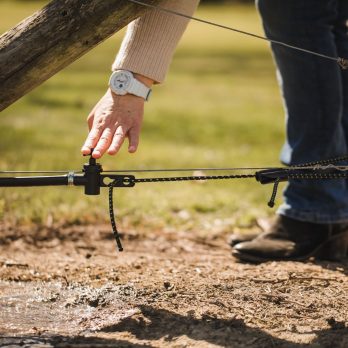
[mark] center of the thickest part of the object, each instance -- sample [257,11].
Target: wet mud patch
[57,307]
[69,288]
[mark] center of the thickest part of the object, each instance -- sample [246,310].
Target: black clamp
[93,179]
[272,176]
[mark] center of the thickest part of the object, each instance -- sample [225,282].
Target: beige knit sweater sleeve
[150,41]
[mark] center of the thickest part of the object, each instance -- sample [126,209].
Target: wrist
[123,98]
[145,80]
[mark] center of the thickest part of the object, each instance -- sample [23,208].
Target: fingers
[90,121]
[133,136]
[112,120]
[117,141]
[119,137]
[103,143]
[110,141]
[92,136]
[91,141]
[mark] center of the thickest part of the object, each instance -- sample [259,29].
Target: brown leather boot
[294,240]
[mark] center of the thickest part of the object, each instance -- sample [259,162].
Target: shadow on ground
[156,324]
[167,327]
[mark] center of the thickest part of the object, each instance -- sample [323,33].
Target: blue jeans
[315,93]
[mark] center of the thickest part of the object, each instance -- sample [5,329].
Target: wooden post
[52,38]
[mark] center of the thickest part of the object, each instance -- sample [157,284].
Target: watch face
[120,81]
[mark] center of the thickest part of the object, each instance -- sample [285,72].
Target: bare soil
[68,287]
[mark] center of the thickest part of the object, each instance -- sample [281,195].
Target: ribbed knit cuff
[150,41]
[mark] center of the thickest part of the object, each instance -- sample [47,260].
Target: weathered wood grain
[52,38]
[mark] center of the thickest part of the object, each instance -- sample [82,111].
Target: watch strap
[139,89]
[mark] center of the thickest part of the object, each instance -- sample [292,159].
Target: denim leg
[341,38]
[312,90]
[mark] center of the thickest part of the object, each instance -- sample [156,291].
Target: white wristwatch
[123,82]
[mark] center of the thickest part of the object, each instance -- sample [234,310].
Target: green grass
[220,106]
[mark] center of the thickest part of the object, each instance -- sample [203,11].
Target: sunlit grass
[219,107]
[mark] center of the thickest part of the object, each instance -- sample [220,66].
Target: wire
[168,170]
[314,167]
[185,170]
[39,171]
[343,63]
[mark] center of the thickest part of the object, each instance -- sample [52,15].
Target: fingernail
[96,154]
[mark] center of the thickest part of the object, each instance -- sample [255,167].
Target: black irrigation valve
[320,170]
[95,180]
[92,178]
[92,172]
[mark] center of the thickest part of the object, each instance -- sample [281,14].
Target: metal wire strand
[342,62]
[39,171]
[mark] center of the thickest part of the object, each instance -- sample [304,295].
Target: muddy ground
[67,287]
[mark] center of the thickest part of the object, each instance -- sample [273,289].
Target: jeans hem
[314,217]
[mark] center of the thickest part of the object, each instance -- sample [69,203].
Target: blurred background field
[219,107]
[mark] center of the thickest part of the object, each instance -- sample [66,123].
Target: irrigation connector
[93,179]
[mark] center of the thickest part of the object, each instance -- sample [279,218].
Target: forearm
[146,51]
[150,42]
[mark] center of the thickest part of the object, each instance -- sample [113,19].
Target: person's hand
[113,119]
